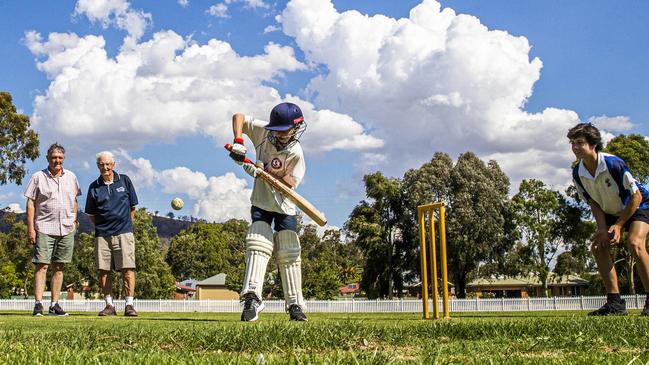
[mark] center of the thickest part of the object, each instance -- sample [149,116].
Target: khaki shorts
[118,250]
[50,249]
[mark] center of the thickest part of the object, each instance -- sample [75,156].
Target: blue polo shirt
[111,205]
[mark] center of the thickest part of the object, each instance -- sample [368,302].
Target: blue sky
[384,85]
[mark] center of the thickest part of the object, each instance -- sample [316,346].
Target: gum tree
[18,143]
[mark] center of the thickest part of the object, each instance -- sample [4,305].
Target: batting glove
[238,151]
[251,169]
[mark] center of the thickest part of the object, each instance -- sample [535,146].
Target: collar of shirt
[601,167]
[49,173]
[100,180]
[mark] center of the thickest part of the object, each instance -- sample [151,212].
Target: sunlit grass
[217,338]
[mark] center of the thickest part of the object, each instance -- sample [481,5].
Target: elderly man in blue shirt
[111,205]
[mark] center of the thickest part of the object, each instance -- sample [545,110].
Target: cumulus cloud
[114,12]
[167,87]
[612,124]
[217,198]
[218,10]
[14,208]
[183,3]
[435,81]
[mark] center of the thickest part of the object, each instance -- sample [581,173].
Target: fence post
[581,302]
[477,305]
[528,304]
[555,303]
[637,303]
[502,304]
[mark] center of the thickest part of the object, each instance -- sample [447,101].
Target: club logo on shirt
[608,182]
[276,163]
[121,189]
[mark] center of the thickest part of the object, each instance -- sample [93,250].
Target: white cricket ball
[177,203]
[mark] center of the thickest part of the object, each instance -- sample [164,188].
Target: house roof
[218,279]
[553,280]
[180,286]
[350,288]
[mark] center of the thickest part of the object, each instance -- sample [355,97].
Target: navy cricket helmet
[285,116]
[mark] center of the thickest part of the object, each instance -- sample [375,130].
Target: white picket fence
[341,306]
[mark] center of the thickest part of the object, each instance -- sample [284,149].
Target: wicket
[422,211]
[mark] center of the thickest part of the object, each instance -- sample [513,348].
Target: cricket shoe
[129,311]
[611,308]
[108,311]
[295,313]
[56,310]
[38,310]
[251,308]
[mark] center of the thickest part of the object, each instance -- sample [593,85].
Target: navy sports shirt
[111,205]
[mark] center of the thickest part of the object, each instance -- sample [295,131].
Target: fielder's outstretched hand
[238,151]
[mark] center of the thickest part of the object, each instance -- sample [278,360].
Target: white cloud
[140,170]
[14,208]
[435,81]
[219,10]
[217,198]
[114,12]
[254,4]
[612,124]
[165,88]
[183,3]
[271,28]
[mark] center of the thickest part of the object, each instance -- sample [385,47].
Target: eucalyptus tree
[374,227]
[18,142]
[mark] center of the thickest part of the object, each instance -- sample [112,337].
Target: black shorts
[641,215]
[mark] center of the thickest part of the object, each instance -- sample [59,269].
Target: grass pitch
[215,338]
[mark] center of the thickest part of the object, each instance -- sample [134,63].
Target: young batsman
[617,202]
[279,153]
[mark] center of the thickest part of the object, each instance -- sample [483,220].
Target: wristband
[238,140]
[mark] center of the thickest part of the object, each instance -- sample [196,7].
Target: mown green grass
[193,338]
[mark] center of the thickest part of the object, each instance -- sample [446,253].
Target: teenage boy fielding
[617,202]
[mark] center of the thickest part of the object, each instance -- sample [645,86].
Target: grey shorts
[116,250]
[50,249]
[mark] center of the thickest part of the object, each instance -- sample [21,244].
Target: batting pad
[290,266]
[259,248]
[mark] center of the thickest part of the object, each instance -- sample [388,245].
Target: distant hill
[167,227]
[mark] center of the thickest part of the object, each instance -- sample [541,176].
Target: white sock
[37,302]
[53,304]
[109,300]
[129,301]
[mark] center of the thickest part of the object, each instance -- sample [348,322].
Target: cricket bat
[289,193]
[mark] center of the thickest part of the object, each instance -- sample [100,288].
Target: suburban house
[350,290]
[214,288]
[524,287]
[184,291]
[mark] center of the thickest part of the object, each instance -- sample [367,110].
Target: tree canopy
[18,143]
